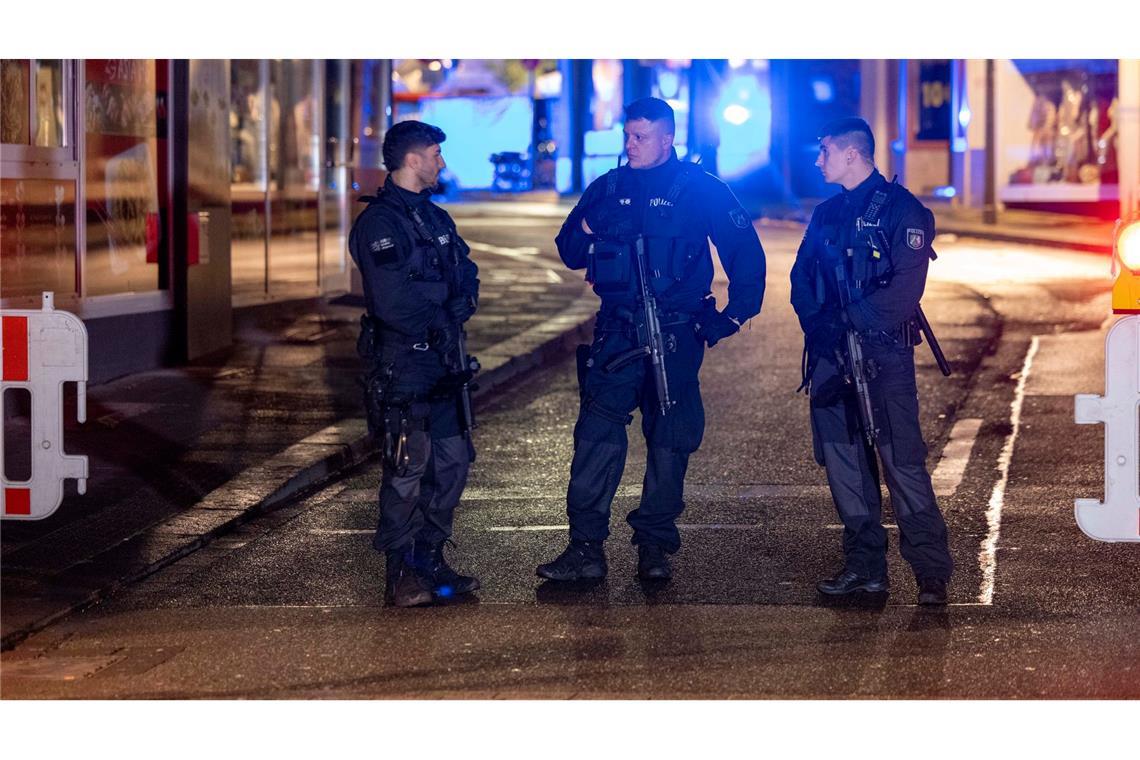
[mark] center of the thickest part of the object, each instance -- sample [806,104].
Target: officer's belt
[905,333]
[665,318]
[386,337]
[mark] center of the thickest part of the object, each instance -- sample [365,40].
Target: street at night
[289,604]
[561,408]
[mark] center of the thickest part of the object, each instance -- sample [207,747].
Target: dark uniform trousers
[420,504]
[853,472]
[600,442]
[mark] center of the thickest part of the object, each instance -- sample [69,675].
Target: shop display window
[1070,134]
[37,237]
[122,178]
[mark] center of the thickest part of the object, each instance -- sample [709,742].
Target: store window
[37,237]
[121,159]
[15,80]
[50,132]
[1065,146]
[603,142]
[275,118]
[38,186]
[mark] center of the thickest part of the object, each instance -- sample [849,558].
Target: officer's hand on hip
[715,326]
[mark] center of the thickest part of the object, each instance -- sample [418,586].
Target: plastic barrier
[41,351]
[1117,518]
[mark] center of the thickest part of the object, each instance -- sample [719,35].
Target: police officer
[676,207]
[885,283]
[420,287]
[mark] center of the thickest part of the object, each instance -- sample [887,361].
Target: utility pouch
[609,267]
[375,395]
[397,431]
[367,343]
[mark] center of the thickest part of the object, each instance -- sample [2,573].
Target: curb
[298,469]
[974,231]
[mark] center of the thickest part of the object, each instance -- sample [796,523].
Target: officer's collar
[662,171]
[415,199]
[859,193]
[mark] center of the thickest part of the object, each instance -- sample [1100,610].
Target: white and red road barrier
[41,351]
[1117,518]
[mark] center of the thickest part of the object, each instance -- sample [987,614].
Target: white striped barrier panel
[41,351]
[1117,518]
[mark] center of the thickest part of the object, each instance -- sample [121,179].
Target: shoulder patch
[915,238]
[739,218]
[383,244]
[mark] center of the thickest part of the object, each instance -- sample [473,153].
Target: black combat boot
[405,587]
[581,560]
[653,563]
[848,582]
[444,581]
[931,591]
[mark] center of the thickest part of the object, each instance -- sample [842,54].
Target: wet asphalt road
[289,605]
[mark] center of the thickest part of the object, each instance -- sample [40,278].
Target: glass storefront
[276,168]
[37,237]
[121,168]
[1068,142]
[15,81]
[39,182]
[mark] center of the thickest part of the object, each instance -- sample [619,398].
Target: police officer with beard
[885,282]
[420,287]
[675,207]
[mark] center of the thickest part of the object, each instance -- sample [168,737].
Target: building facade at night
[155,197]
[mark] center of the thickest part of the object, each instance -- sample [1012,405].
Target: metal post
[581,87]
[178,116]
[384,96]
[898,147]
[989,209]
[957,142]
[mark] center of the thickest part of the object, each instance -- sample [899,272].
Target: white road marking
[507,528]
[955,456]
[522,253]
[695,491]
[680,526]
[987,557]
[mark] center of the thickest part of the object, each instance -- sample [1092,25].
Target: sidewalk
[179,456]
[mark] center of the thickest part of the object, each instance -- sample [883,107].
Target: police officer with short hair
[420,286]
[885,283]
[675,208]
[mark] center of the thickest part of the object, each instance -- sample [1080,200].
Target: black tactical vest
[674,234]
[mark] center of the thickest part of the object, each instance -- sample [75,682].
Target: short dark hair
[653,109]
[408,136]
[851,132]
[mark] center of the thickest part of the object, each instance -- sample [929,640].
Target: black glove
[714,326]
[460,308]
[824,331]
[445,341]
